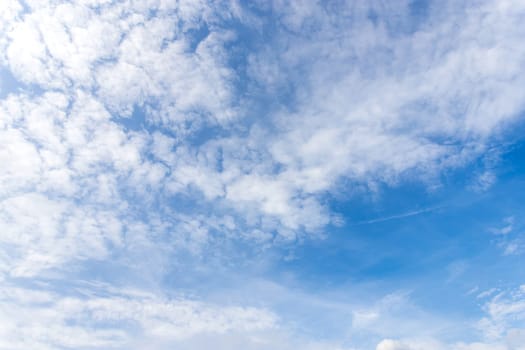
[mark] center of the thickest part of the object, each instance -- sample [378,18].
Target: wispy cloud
[399,216]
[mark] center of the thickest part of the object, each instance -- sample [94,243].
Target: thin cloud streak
[398,216]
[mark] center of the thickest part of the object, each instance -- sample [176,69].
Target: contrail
[399,216]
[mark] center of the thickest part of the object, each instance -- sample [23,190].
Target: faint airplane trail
[398,216]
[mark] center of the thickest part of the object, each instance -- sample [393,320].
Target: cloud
[60,190]
[401,122]
[502,327]
[362,132]
[399,216]
[509,238]
[506,229]
[64,232]
[389,344]
[505,311]
[127,56]
[97,317]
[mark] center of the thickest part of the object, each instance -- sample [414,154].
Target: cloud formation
[95,317]
[152,134]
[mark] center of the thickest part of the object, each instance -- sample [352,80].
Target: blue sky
[322,175]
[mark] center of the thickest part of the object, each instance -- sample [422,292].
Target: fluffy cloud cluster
[63,159]
[375,105]
[129,53]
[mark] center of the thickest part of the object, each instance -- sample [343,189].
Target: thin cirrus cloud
[109,319]
[504,312]
[153,136]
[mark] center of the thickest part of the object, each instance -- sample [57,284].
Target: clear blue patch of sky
[9,84]
[197,35]
[137,120]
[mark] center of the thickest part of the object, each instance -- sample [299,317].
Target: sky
[318,175]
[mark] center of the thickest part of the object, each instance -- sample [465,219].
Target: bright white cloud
[127,56]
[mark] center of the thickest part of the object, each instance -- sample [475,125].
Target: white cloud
[502,327]
[109,318]
[430,104]
[512,248]
[509,238]
[129,57]
[60,188]
[484,181]
[508,226]
[504,311]
[369,123]
[39,233]
[430,344]
[256,341]
[389,344]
